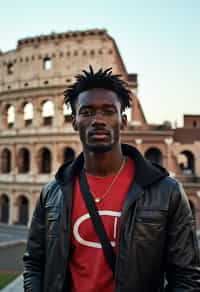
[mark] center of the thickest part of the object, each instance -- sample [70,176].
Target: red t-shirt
[88,267]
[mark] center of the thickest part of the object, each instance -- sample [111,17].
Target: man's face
[98,119]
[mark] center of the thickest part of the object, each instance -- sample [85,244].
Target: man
[145,213]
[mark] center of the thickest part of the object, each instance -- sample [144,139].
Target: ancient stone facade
[36,135]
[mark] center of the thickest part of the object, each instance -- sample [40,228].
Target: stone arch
[44,160]
[48,112]
[28,111]
[4,208]
[154,155]
[68,154]
[23,160]
[10,116]
[186,162]
[6,160]
[23,210]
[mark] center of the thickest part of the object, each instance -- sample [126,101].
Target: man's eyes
[109,111]
[85,112]
[92,112]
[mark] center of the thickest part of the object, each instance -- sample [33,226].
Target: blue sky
[159,40]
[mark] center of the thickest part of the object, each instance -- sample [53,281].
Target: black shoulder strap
[97,222]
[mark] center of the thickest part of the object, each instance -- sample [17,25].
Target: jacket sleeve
[34,254]
[183,257]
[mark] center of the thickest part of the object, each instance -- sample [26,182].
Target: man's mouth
[99,134]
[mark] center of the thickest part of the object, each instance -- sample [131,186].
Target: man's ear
[124,122]
[74,123]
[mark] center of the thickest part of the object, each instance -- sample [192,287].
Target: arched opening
[23,160]
[194,123]
[10,68]
[23,214]
[154,155]
[45,160]
[28,114]
[47,64]
[10,116]
[68,154]
[4,209]
[186,162]
[6,161]
[48,112]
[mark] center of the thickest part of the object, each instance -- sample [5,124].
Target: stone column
[138,142]
[3,116]
[197,158]
[58,117]
[33,164]
[55,162]
[14,209]
[19,114]
[168,143]
[37,117]
[14,169]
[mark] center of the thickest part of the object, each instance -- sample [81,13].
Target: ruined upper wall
[53,60]
[192,121]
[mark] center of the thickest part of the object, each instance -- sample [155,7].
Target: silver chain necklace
[99,199]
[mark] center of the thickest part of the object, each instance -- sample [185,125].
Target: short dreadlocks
[101,79]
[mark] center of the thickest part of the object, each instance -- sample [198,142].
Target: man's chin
[98,148]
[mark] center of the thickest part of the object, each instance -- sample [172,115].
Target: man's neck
[103,164]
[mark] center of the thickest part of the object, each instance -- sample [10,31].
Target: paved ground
[10,233]
[11,256]
[12,246]
[11,253]
[15,286]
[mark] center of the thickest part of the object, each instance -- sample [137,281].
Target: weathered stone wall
[38,71]
[69,54]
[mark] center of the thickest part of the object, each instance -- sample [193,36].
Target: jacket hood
[147,173]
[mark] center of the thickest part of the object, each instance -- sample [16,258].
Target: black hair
[101,79]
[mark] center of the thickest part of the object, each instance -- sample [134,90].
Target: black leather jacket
[157,241]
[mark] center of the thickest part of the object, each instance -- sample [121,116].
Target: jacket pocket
[150,225]
[53,221]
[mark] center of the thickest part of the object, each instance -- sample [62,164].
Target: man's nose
[98,117]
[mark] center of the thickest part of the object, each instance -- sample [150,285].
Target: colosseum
[36,135]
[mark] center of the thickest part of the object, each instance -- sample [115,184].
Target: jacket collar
[147,173]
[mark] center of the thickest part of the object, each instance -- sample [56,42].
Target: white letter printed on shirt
[85,217]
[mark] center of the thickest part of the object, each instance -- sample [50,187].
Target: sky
[158,40]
